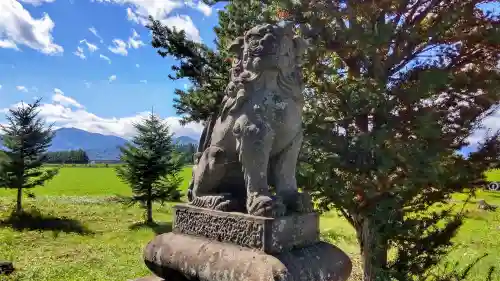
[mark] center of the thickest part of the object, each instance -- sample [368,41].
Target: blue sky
[91,60]
[92,63]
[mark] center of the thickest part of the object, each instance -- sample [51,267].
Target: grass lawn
[88,181]
[82,235]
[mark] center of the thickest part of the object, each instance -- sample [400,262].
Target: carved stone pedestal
[209,245]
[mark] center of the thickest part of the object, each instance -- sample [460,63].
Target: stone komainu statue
[255,140]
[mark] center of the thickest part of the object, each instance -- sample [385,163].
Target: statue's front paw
[265,206]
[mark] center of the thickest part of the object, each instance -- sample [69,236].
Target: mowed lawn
[76,231]
[88,181]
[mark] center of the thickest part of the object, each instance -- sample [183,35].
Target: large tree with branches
[394,89]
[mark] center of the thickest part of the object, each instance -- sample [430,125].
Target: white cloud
[8,45]
[18,27]
[87,84]
[79,53]
[60,98]
[492,122]
[131,16]
[105,58]
[144,81]
[91,47]
[137,65]
[119,48]
[184,22]
[112,78]
[139,11]
[1,86]
[200,6]
[22,89]
[37,2]
[67,116]
[134,41]
[94,31]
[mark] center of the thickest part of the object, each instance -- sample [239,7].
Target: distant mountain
[97,146]
[71,139]
[104,147]
[183,140]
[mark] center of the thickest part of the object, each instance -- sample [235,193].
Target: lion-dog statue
[255,140]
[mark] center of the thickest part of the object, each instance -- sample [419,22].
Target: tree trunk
[19,207]
[149,208]
[373,249]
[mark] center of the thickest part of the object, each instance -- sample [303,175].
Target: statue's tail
[204,142]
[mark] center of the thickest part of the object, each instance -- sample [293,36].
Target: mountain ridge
[97,146]
[106,147]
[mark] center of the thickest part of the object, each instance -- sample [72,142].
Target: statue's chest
[276,108]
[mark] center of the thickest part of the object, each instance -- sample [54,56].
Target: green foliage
[69,157]
[385,116]
[204,68]
[151,165]
[394,89]
[186,153]
[26,140]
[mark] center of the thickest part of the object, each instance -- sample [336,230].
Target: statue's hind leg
[283,170]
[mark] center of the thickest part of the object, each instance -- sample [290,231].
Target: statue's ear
[236,46]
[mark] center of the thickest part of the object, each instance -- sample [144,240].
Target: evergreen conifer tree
[26,139]
[151,165]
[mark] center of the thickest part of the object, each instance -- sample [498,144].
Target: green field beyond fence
[77,232]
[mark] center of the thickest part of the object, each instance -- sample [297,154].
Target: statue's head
[269,47]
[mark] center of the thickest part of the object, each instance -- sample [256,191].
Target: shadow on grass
[33,219]
[158,228]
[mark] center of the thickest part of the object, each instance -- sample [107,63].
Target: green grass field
[77,232]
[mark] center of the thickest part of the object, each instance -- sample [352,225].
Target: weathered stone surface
[271,235]
[255,140]
[203,260]
[6,267]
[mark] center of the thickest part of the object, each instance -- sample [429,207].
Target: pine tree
[26,139]
[151,166]
[394,89]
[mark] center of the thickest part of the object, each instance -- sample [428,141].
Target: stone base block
[271,235]
[200,259]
